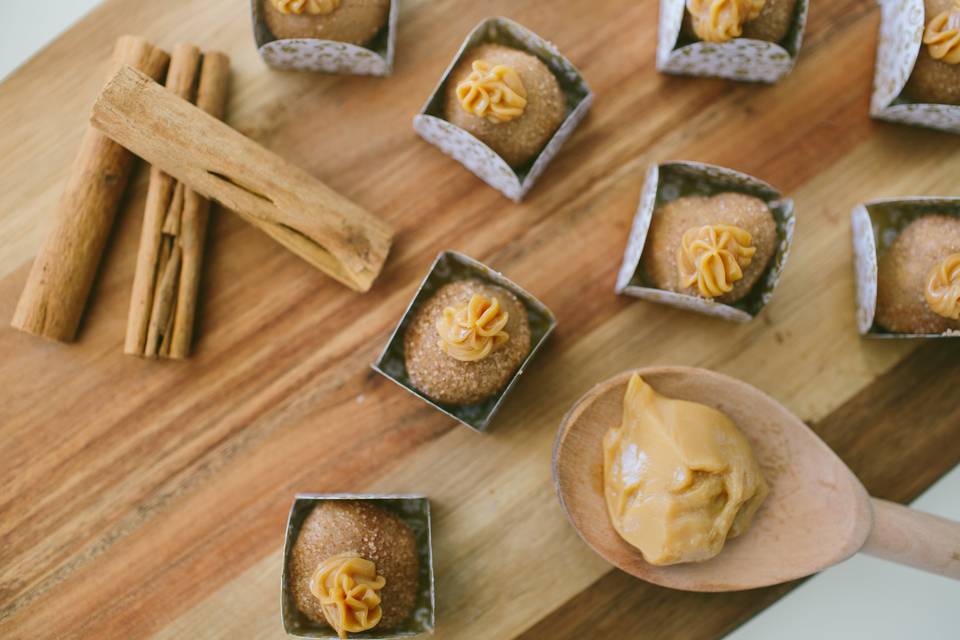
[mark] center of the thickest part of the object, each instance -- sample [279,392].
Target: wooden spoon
[817,514]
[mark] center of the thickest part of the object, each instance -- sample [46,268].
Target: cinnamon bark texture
[164,299]
[324,228]
[56,292]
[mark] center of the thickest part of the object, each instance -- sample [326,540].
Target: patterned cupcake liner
[875,225]
[327,56]
[474,154]
[667,182]
[901,36]
[448,267]
[412,509]
[739,59]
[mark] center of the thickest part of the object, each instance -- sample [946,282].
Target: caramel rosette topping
[713,257]
[722,20]
[348,589]
[474,330]
[943,288]
[494,92]
[311,7]
[942,35]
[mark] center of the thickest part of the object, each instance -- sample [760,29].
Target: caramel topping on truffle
[474,330]
[348,589]
[942,35]
[943,288]
[722,20]
[312,7]
[713,257]
[493,92]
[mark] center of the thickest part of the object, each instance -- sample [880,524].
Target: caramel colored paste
[679,477]
[494,92]
[722,20]
[942,35]
[311,7]
[943,288]
[713,257]
[474,330]
[348,589]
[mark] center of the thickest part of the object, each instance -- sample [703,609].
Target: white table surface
[863,598]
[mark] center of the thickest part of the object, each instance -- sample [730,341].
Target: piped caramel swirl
[310,7]
[494,92]
[942,35]
[348,589]
[713,257]
[474,330]
[943,288]
[722,20]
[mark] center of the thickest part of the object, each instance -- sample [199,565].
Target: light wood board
[149,499]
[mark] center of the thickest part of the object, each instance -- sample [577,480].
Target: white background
[863,598]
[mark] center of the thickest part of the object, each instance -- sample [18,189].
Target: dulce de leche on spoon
[817,513]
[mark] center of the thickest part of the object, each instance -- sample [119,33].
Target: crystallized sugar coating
[451,381]
[354,21]
[671,220]
[342,526]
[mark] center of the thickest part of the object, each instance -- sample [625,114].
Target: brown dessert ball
[451,381]
[934,81]
[354,21]
[772,24]
[672,220]
[378,535]
[904,269]
[519,140]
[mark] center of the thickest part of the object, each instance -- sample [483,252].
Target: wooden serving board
[149,499]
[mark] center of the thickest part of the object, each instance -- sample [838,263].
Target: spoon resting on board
[816,515]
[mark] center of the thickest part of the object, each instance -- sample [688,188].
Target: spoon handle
[914,538]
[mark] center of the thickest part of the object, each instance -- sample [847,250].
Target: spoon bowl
[816,515]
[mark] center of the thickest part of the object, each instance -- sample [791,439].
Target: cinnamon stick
[291,206]
[59,283]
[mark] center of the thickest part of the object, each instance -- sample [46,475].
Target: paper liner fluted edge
[324,56]
[390,363]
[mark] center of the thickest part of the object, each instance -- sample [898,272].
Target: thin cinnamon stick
[211,98]
[163,196]
[59,283]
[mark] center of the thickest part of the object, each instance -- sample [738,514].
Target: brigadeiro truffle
[352,21]
[936,75]
[723,20]
[466,342]
[714,247]
[355,546]
[918,278]
[506,98]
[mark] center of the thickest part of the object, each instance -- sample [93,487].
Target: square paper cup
[327,56]
[475,155]
[667,182]
[901,35]
[451,266]
[875,225]
[739,59]
[415,511]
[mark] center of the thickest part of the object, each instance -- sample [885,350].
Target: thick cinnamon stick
[211,98]
[161,196]
[54,297]
[291,206]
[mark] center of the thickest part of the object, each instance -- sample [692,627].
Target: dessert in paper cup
[907,267]
[465,339]
[505,106]
[327,36]
[917,77]
[358,566]
[707,239]
[751,40]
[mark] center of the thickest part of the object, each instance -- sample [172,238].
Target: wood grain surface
[147,499]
